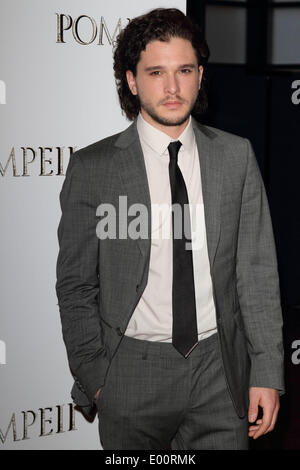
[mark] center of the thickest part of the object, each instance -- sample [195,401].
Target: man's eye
[185,70]
[156,72]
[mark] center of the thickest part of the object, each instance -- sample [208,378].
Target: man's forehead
[176,49]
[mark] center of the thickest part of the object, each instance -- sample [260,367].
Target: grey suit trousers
[154,398]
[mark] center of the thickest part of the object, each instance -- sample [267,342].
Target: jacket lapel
[133,177]
[211,168]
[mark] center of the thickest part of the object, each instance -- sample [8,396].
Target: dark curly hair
[160,24]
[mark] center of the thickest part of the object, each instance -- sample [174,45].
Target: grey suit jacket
[99,282]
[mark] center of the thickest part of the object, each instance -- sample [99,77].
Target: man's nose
[171,84]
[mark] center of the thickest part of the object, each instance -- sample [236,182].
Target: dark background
[252,98]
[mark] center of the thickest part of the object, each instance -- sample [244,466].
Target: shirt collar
[159,140]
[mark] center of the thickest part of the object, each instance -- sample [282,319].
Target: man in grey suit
[176,344]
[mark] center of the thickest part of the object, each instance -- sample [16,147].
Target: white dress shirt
[152,317]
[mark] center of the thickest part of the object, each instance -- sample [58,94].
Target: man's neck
[172,131]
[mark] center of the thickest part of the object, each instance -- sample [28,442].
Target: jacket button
[137,287]
[119,331]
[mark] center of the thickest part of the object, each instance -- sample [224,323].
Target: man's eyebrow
[189,66]
[161,67]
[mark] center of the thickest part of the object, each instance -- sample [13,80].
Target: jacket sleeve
[258,282]
[77,285]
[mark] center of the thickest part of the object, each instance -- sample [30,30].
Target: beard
[175,121]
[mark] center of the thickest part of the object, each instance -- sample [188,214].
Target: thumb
[253,407]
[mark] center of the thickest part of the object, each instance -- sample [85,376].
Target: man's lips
[172,104]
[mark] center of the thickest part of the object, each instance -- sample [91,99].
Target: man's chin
[171,120]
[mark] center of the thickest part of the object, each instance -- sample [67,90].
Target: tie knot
[173,148]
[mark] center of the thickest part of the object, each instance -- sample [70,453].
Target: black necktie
[184,333]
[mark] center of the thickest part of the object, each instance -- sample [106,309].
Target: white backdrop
[53,96]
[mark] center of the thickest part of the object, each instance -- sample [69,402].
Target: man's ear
[200,75]
[131,82]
